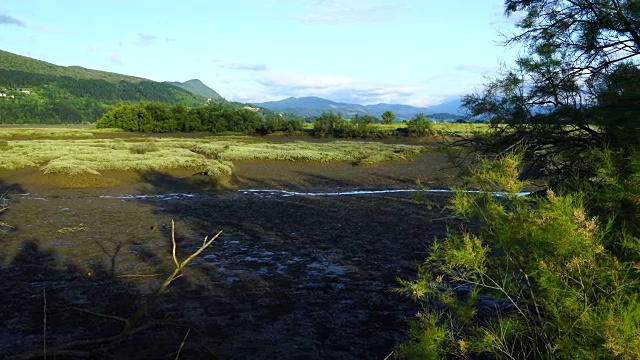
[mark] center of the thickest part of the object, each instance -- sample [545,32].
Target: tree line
[217,117]
[334,125]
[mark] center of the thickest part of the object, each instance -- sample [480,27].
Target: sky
[414,52]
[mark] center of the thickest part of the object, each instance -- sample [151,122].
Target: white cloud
[476,69]
[279,85]
[350,11]
[92,48]
[240,66]
[115,58]
[145,39]
[280,80]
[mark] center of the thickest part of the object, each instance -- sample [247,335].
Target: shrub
[329,124]
[281,124]
[143,148]
[536,282]
[420,126]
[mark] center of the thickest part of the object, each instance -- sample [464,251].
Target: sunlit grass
[337,151]
[76,157]
[52,132]
[457,129]
[211,156]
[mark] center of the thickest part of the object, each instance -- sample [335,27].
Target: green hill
[196,87]
[40,92]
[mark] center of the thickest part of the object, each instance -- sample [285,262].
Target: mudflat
[289,277]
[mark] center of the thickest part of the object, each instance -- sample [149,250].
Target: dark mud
[290,277]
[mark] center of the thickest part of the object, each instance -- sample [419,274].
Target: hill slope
[40,92]
[314,106]
[196,87]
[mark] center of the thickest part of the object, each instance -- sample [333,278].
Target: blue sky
[415,52]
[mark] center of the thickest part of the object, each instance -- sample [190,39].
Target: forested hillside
[33,91]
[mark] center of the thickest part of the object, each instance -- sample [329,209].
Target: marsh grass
[52,132]
[465,129]
[360,153]
[143,148]
[211,156]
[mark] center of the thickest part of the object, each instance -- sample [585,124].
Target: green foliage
[330,124]
[388,117]
[282,123]
[568,94]
[540,280]
[216,117]
[587,32]
[420,126]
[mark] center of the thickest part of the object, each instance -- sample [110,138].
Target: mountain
[311,106]
[41,92]
[451,105]
[196,87]
[315,106]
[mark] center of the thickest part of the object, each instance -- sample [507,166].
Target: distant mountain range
[35,91]
[315,106]
[196,87]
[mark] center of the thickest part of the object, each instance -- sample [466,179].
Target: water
[285,193]
[281,193]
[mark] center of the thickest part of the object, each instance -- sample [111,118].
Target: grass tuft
[143,148]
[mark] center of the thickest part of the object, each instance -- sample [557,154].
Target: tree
[552,103]
[329,124]
[388,117]
[420,126]
[591,35]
